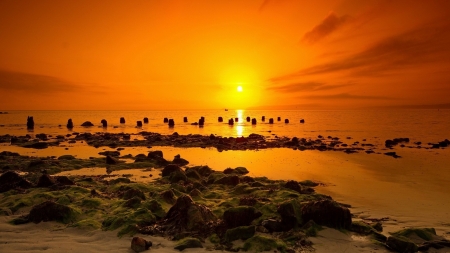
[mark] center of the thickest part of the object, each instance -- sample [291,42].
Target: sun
[239,88]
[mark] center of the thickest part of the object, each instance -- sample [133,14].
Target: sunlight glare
[239,88]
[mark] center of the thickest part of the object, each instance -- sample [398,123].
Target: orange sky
[168,55]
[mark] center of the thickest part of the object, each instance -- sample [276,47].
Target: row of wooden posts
[170,122]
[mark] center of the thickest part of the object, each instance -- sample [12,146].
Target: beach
[407,191]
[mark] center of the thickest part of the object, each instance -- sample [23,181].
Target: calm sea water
[373,125]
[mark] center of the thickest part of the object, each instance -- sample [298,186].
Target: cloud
[329,25]
[420,46]
[347,96]
[11,81]
[306,86]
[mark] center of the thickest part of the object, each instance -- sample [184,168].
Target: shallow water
[373,125]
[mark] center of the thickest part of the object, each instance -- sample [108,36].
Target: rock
[111,160]
[230,122]
[134,202]
[69,124]
[155,154]
[188,242]
[237,170]
[30,122]
[190,173]
[177,176]
[145,120]
[11,180]
[171,123]
[401,244]
[122,120]
[110,153]
[185,119]
[139,123]
[50,211]
[180,161]
[272,225]
[228,180]
[237,233]
[291,214]
[271,121]
[168,196]
[131,192]
[186,215]
[66,157]
[87,124]
[286,121]
[263,118]
[327,213]
[63,180]
[104,123]
[253,121]
[36,145]
[302,121]
[139,244]
[293,185]
[220,119]
[171,168]
[240,216]
[45,181]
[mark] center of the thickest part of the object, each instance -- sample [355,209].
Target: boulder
[291,214]
[188,242]
[63,180]
[139,244]
[237,233]
[273,225]
[131,192]
[228,180]
[70,124]
[186,215]
[240,216]
[50,211]
[11,180]
[293,185]
[327,213]
[30,122]
[87,124]
[401,244]
[171,168]
[45,181]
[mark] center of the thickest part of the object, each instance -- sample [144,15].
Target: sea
[377,125]
[412,190]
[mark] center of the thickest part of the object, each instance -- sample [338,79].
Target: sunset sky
[170,55]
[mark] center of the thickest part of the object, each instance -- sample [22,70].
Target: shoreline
[328,235]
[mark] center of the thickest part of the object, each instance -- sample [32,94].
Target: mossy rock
[66,157]
[88,224]
[91,203]
[120,180]
[188,242]
[240,216]
[237,233]
[401,244]
[361,227]
[260,243]
[51,211]
[417,235]
[291,215]
[214,238]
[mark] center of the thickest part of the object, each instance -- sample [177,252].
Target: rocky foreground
[191,205]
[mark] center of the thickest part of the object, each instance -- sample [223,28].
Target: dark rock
[220,119]
[134,202]
[66,157]
[139,123]
[166,120]
[185,119]
[70,124]
[87,124]
[286,121]
[177,176]
[327,213]
[272,225]
[186,215]
[187,243]
[237,233]
[271,121]
[63,180]
[302,121]
[228,180]
[253,121]
[171,123]
[139,244]
[122,120]
[131,192]
[50,211]
[263,118]
[203,171]
[190,173]
[36,145]
[145,120]
[171,168]
[168,196]
[111,160]
[30,122]
[293,185]
[291,215]
[240,216]
[11,180]
[230,122]
[401,244]
[45,181]
[248,119]
[110,153]
[155,154]
[104,123]
[180,161]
